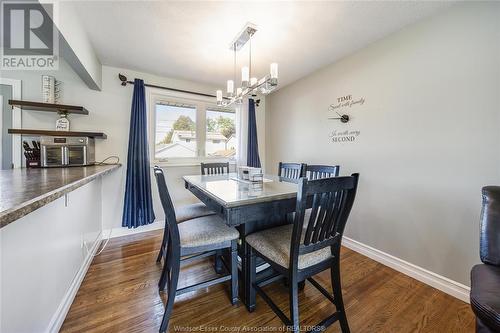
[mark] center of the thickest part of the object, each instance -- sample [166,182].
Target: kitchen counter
[25,190]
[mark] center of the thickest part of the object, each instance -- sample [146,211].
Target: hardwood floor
[120,294]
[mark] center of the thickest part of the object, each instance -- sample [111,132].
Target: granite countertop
[25,190]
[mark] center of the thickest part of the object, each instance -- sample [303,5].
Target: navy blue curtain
[138,205]
[253,159]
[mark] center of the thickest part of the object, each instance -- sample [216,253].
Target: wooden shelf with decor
[49,107]
[96,135]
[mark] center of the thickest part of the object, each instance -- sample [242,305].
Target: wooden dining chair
[185,213]
[194,239]
[307,247]
[314,172]
[214,168]
[291,170]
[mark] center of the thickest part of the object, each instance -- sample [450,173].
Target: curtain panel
[138,203]
[253,159]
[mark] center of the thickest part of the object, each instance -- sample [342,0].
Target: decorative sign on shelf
[342,105]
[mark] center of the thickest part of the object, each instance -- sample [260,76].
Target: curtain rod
[124,81]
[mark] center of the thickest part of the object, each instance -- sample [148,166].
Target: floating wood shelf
[97,135]
[48,107]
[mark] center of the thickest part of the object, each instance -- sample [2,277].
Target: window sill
[190,163]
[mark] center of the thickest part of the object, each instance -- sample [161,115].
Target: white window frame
[154,96]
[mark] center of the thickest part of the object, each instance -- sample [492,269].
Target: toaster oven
[60,151]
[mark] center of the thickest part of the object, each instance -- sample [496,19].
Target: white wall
[430,135]
[74,44]
[110,112]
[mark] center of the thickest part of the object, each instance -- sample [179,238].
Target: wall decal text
[346,101]
[344,136]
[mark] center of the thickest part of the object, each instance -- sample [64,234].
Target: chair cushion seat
[485,294]
[193,211]
[275,244]
[204,231]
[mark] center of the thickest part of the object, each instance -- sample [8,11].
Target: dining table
[248,206]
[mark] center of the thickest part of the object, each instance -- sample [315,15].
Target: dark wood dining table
[247,206]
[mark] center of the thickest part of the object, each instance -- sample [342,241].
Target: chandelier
[249,85]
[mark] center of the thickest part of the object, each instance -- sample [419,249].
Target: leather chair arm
[490,226]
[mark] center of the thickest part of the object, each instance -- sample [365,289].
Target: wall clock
[344,118]
[343,104]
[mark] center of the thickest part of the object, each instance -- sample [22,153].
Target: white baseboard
[62,310]
[432,279]
[121,231]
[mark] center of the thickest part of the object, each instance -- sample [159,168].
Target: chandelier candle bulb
[230,87]
[245,76]
[274,70]
[238,92]
[253,81]
[219,97]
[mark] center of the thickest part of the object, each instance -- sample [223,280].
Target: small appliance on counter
[32,154]
[61,151]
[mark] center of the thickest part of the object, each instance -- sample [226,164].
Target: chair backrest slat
[332,200]
[325,230]
[321,215]
[214,168]
[168,207]
[311,221]
[314,172]
[291,171]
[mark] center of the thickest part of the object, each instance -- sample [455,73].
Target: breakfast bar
[51,226]
[25,190]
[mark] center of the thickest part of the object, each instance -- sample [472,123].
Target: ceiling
[190,40]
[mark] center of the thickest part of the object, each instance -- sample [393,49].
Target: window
[220,139]
[186,130]
[175,127]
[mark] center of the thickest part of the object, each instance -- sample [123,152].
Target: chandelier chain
[250,57]
[234,66]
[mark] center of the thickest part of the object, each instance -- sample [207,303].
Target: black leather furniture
[485,278]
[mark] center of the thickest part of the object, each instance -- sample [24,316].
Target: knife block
[32,158]
[33,163]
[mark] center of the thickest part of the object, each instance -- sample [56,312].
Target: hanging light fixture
[249,85]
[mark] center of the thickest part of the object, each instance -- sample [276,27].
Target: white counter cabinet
[44,257]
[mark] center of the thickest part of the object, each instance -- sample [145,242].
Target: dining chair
[291,170]
[182,214]
[314,172]
[485,277]
[189,241]
[300,250]
[214,168]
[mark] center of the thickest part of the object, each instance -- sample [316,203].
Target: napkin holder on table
[250,174]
